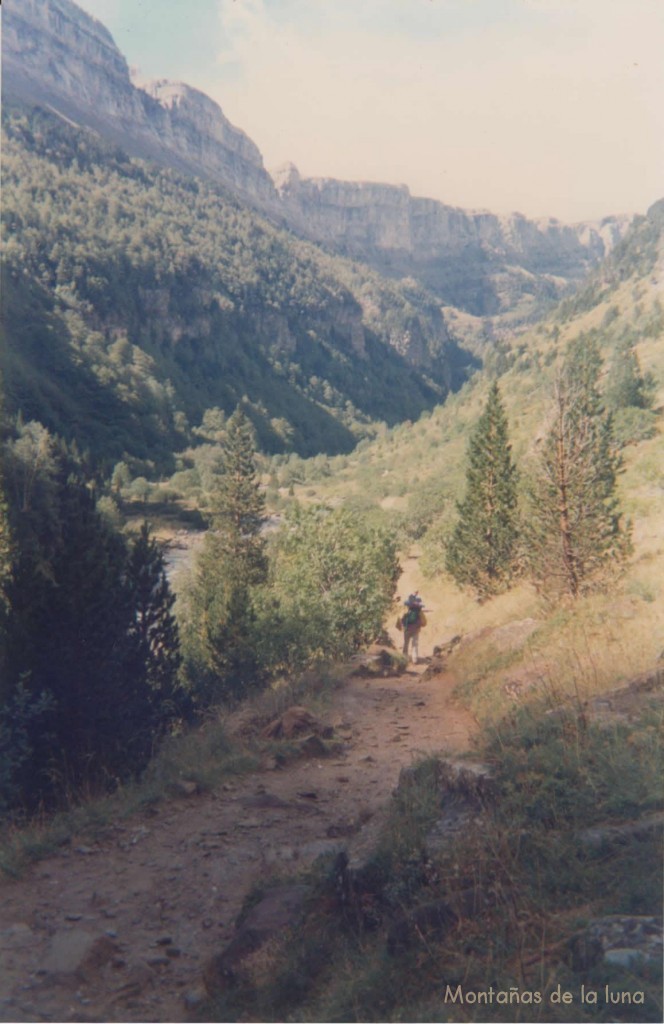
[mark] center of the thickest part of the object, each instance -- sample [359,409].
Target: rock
[56,53]
[617,939]
[626,958]
[265,800]
[342,828]
[384,663]
[185,787]
[79,953]
[600,836]
[446,646]
[194,999]
[271,918]
[294,721]
[464,788]
[313,746]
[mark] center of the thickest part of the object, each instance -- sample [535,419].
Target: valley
[245,415]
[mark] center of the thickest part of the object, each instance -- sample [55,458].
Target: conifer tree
[76,691]
[238,505]
[154,630]
[626,385]
[219,653]
[574,526]
[481,550]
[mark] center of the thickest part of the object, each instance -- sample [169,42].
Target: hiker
[412,622]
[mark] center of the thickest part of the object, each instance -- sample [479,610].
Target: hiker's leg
[416,646]
[405,641]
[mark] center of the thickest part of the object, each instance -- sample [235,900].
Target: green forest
[135,300]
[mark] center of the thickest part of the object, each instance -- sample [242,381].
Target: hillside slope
[159,298]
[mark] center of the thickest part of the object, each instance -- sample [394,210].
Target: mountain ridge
[57,55]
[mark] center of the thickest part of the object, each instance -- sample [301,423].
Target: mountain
[56,55]
[476,261]
[136,299]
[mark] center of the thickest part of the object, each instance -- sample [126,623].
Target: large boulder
[267,924]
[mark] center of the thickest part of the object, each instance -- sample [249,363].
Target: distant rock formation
[58,56]
[472,259]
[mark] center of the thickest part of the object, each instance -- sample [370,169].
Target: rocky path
[119,931]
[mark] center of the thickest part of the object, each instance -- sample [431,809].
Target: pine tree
[482,548]
[574,526]
[219,649]
[238,505]
[626,386]
[77,691]
[154,629]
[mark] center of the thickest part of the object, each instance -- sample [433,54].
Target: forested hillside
[136,300]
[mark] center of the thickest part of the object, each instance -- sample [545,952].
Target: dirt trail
[160,894]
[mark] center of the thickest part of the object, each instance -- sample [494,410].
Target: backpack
[412,617]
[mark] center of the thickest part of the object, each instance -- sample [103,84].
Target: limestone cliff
[475,260]
[57,55]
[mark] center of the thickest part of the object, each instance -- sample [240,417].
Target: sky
[545,107]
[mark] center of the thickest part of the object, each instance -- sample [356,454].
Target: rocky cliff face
[56,55]
[475,260]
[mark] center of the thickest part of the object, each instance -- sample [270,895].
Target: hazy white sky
[549,107]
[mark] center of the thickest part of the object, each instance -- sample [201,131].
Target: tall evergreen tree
[219,649]
[154,629]
[76,691]
[626,385]
[574,526]
[481,550]
[238,504]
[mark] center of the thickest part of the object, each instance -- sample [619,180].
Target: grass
[541,883]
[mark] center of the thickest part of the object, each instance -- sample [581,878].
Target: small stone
[173,952]
[627,958]
[313,746]
[158,961]
[192,1000]
[184,787]
[164,940]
